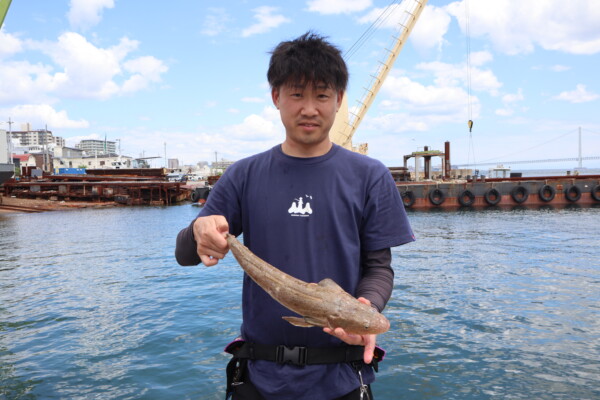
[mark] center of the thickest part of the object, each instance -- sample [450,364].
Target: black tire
[519,194]
[408,198]
[466,198]
[195,196]
[547,193]
[492,196]
[596,193]
[573,194]
[436,197]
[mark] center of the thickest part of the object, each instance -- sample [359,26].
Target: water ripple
[486,305]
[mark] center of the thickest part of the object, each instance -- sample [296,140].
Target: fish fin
[303,322]
[329,283]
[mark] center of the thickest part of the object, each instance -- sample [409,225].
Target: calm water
[487,305]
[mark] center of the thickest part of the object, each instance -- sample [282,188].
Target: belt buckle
[291,355]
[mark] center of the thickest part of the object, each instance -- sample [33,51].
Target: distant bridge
[476,164]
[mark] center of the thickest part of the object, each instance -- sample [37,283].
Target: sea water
[486,305]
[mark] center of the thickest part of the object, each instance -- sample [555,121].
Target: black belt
[299,355]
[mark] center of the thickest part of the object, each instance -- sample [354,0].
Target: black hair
[308,59]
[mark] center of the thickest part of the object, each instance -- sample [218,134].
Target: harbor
[112,138]
[483,307]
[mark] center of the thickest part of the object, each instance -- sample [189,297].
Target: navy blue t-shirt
[309,217]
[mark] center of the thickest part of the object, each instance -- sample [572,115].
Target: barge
[557,191]
[126,187]
[451,191]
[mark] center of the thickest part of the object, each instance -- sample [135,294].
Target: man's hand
[361,340]
[209,233]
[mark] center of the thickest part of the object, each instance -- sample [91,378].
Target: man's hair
[309,59]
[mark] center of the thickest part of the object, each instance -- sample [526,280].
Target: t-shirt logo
[300,208]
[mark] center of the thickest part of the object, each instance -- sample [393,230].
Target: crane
[343,128]
[4,4]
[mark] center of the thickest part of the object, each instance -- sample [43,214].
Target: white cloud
[9,45]
[513,97]
[479,58]
[84,14]
[559,68]
[253,100]
[452,75]
[430,29]
[22,82]
[338,6]
[421,98]
[44,114]
[267,21]
[256,127]
[516,27]
[579,95]
[509,100]
[87,71]
[256,133]
[428,32]
[215,22]
[145,70]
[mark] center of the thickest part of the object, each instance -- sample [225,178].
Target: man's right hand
[209,233]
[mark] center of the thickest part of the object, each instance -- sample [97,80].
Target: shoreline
[49,205]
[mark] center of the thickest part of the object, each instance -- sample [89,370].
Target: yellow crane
[4,4]
[343,128]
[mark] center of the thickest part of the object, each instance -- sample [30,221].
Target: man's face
[307,112]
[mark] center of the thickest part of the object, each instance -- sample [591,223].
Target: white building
[94,146]
[103,161]
[40,137]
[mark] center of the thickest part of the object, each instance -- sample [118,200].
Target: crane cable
[469,101]
[375,25]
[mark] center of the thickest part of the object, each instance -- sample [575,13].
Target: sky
[187,79]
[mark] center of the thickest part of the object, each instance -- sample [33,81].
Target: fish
[323,304]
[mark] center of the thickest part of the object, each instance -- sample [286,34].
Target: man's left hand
[357,340]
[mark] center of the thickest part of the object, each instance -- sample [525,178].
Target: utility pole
[166,165]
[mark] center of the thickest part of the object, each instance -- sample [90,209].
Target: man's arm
[185,248]
[374,289]
[377,279]
[203,241]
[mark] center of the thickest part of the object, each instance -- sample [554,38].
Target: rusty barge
[450,190]
[557,191]
[124,187]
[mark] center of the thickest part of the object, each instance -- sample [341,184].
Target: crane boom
[4,4]
[342,130]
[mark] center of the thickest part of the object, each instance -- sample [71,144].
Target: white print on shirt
[299,209]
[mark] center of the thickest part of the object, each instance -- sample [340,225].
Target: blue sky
[191,74]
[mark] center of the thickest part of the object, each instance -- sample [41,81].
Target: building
[94,146]
[218,167]
[173,163]
[68,152]
[40,137]
[101,161]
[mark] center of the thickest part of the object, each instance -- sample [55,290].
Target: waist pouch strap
[301,355]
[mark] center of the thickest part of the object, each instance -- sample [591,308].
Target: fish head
[379,324]
[365,320]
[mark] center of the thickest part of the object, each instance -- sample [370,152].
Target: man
[315,211]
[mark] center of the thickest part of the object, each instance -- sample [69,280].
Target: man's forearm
[185,248]
[377,279]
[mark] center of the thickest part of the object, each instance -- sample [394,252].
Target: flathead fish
[323,304]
